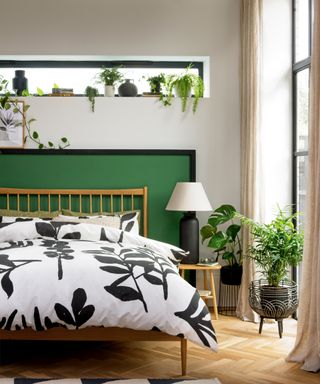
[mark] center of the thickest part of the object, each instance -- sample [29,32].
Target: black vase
[128,89]
[189,237]
[19,82]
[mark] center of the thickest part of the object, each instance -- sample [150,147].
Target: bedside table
[204,269]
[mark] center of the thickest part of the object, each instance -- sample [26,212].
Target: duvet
[81,275]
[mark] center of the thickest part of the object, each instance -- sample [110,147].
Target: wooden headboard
[81,200]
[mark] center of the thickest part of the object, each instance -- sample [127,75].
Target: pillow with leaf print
[11,215]
[25,230]
[126,221]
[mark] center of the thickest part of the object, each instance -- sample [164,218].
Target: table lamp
[189,197]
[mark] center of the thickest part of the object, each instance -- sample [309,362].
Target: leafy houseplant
[6,102]
[156,83]
[276,246]
[183,85]
[225,242]
[109,77]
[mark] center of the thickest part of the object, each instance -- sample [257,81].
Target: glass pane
[302,29]
[302,168]
[302,109]
[302,164]
[79,78]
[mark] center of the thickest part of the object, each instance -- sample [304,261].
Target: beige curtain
[251,18]
[307,347]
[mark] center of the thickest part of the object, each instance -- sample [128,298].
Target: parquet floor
[244,357]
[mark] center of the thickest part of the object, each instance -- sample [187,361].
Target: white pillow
[108,221]
[127,221]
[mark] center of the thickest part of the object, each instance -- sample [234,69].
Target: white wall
[140,27]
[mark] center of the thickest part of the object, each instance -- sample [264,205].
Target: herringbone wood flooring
[244,357]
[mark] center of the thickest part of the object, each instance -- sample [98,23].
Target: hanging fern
[183,85]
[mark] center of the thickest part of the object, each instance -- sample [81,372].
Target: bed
[106,255]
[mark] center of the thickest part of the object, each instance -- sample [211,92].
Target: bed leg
[183,357]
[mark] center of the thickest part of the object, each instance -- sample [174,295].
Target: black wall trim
[92,152]
[99,63]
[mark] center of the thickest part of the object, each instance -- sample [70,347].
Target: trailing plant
[109,76]
[167,96]
[91,93]
[224,240]
[7,101]
[156,82]
[276,245]
[184,84]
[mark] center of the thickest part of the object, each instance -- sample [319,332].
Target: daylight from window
[79,78]
[302,29]
[301,73]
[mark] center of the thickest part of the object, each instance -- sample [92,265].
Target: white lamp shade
[188,197]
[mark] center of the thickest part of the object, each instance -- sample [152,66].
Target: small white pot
[109,90]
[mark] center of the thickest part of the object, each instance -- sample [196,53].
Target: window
[78,74]
[302,22]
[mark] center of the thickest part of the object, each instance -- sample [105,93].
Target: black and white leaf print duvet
[90,275]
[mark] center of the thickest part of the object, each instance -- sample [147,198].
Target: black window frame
[99,63]
[297,67]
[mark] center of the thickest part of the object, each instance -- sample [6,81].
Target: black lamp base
[189,237]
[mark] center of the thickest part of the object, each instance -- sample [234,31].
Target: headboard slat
[30,198]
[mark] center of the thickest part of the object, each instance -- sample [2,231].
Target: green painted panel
[158,172]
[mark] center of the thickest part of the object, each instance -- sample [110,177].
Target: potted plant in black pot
[156,83]
[222,234]
[276,247]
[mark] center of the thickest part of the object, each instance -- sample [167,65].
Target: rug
[113,381]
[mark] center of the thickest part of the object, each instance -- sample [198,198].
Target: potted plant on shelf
[225,242]
[183,85]
[276,247]
[156,83]
[109,77]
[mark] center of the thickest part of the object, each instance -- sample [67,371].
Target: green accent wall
[98,169]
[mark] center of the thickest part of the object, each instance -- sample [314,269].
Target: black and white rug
[103,381]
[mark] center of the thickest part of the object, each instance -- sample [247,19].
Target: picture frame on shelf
[12,126]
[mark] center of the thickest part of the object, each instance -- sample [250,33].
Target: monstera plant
[222,234]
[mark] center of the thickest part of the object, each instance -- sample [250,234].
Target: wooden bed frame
[107,200]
